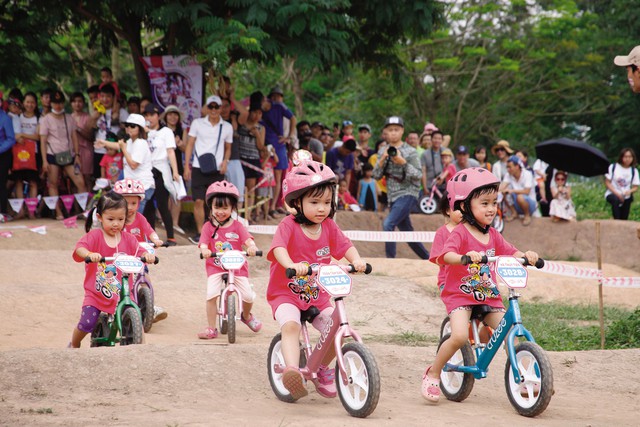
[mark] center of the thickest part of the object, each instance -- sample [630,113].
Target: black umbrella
[573,156]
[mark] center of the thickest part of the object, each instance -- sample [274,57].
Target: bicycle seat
[479,311]
[225,277]
[309,314]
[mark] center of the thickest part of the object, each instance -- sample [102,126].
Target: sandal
[293,381]
[208,334]
[430,387]
[526,221]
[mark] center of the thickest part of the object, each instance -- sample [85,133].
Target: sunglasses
[500,149]
[131,125]
[213,106]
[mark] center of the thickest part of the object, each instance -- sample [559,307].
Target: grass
[588,198]
[37,411]
[405,339]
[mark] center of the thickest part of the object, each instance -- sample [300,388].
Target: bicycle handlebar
[219,254]
[465,260]
[87,260]
[291,272]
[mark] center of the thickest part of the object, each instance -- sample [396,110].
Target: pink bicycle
[230,297]
[358,382]
[429,202]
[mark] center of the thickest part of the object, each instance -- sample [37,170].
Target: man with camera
[399,163]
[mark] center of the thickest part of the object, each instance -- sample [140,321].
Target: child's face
[446,159]
[29,104]
[221,214]
[105,77]
[112,220]
[348,130]
[368,174]
[481,155]
[112,152]
[133,202]
[342,188]
[317,207]
[484,208]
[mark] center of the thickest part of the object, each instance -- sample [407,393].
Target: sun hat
[171,109]
[446,152]
[430,127]
[633,58]
[502,144]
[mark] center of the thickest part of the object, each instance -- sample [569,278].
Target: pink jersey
[227,238]
[442,234]
[299,291]
[269,177]
[94,241]
[112,166]
[140,228]
[473,284]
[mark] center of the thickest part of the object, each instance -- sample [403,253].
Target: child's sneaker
[253,323]
[293,381]
[159,313]
[430,387]
[208,334]
[326,386]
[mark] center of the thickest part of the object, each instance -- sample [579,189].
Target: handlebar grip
[258,253]
[156,261]
[291,272]
[539,263]
[201,257]
[466,260]
[367,269]
[87,260]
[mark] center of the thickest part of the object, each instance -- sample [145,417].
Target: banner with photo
[176,80]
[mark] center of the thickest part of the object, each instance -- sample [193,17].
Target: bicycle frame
[229,288]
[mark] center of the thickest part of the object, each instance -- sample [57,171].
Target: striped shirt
[402,180]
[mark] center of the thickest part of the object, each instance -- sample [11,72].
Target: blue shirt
[272,122]
[338,163]
[7,136]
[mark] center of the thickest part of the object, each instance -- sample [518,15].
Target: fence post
[600,297]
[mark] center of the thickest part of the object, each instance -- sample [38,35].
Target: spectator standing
[462,159]
[173,119]
[207,135]
[340,160]
[85,137]
[519,185]
[274,111]
[368,190]
[57,136]
[502,151]
[314,146]
[622,181]
[133,105]
[235,172]
[431,160]
[28,138]
[399,163]
[7,141]
[45,102]
[381,184]
[413,139]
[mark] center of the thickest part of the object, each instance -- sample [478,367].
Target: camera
[392,151]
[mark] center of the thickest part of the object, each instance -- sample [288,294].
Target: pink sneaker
[326,386]
[293,382]
[430,387]
[208,334]
[253,323]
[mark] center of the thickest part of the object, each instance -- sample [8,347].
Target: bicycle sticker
[128,264]
[107,281]
[511,272]
[232,260]
[334,280]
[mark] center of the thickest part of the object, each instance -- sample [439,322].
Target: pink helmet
[300,155]
[307,174]
[222,188]
[129,187]
[464,182]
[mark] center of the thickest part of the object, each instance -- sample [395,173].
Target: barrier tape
[560,269]
[621,282]
[365,236]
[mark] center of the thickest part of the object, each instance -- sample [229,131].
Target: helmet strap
[217,225]
[467,215]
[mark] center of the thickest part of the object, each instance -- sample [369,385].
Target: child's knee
[290,328]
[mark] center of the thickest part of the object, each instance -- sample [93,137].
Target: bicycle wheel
[457,386]
[222,321]
[361,393]
[231,318]
[428,205]
[498,223]
[274,357]
[131,327]
[101,330]
[532,396]
[145,302]
[445,327]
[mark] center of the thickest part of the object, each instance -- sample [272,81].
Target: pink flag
[32,204]
[6,234]
[68,199]
[70,222]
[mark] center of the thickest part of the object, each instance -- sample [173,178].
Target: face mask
[58,112]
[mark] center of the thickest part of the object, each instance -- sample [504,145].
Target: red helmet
[464,182]
[307,174]
[222,188]
[129,187]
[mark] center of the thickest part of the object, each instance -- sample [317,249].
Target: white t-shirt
[621,178]
[15,120]
[29,125]
[159,141]
[206,136]
[499,169]
[526,181]
[140,153]
[104,125]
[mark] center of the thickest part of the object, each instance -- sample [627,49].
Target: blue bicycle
[528,374]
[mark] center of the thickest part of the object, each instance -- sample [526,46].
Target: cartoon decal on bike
[304,287]
[479,282]
[107,281]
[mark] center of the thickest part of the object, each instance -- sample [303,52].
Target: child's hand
[251,250]
[157,242]
[94,256]
[475,256]
[149,258]
[301,269]
[532,257]
[206,253]
[359,265]
[99,143]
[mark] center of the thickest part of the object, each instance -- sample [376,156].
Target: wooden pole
[600,297]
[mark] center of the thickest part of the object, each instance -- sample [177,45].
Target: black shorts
[25,175]
[250,173]
[200,182]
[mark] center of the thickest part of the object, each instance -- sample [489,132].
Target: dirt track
[174,379]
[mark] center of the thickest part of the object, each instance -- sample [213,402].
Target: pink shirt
[112,166]
[59,137]
[299,291]
[227,238]
[473,284]
[94,241]
[140,228]
[442,234]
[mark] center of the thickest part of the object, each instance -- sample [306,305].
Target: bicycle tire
[231,318]
[222,320]
[145,303]
[131,332]
[274,357]
[445,327]
[457,386]
[527,399]
[361,393]
[428,205]
[101,330]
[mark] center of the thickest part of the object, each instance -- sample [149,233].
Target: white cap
[136,119]
[632,59]
[214,98]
